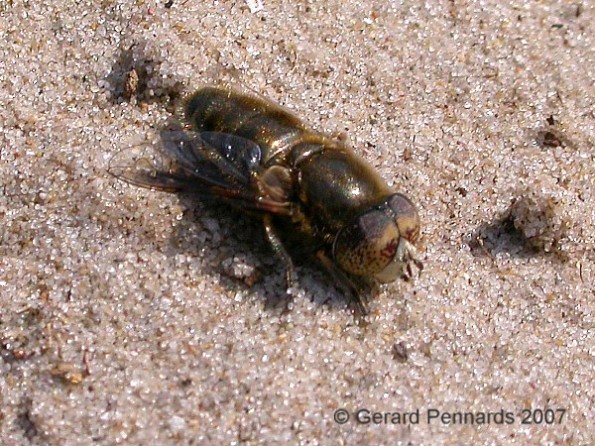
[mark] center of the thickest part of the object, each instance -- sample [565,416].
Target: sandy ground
[130,316]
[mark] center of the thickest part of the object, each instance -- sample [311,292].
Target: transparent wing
[243,154]
[146,165]
[212,153]
[209,164]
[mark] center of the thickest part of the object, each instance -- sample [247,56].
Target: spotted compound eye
[367,245]
[379,242]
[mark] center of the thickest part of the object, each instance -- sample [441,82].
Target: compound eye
[367,245]
[406,216]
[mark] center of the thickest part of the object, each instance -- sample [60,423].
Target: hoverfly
[311,192]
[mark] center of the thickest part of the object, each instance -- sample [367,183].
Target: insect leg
[248,200]
[278,247]
[355,300]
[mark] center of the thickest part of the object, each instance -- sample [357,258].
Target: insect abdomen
[217,110]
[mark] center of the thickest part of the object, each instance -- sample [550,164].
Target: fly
[313,194]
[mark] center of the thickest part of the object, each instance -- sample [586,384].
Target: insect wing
[185,160]
[213,155]
[211,165]
[146,165]
[244,154]
[197,160]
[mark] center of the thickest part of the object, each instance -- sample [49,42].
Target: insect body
[313,194]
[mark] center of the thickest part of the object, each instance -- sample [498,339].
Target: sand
[131,316]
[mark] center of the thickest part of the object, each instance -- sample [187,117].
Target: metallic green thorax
[336,185]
